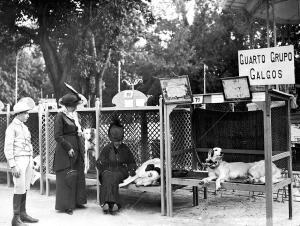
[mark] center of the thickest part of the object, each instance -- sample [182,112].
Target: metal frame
[268,188]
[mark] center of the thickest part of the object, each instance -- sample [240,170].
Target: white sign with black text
[268,66]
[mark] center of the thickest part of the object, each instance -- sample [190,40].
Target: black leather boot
[16,221]
[24,216]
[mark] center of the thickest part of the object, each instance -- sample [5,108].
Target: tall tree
[64,28]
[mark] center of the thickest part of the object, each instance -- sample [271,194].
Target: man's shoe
[26,218]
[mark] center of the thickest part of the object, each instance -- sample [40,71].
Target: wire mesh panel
[181,139]
[280,136]
[87,120]
[33,126]
[141,131]
[3,125]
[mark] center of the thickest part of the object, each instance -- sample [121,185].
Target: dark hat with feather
[72,98]
[116,131]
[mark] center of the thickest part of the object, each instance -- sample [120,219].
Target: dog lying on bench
[146,175]
[221,171]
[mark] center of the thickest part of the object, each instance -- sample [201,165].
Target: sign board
[130,99]
[176,90]
[236,88]
[268,66]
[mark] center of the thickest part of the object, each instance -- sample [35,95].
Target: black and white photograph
[149,112]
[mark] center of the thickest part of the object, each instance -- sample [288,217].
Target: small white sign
[128,103]
[140,102]
[268,66]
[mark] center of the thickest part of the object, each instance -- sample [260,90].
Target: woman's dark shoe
[105,207]
[69,211]
[79,206]
[113,208]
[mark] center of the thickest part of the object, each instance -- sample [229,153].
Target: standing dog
[89,146]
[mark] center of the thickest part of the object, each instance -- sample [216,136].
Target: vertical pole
[40,112]
[268,159]
[7,124]
[162,160]
[289,159]
[167,111]
[268,142]
[204,78]
[47,151]
[16,82]
[119,76]
[97,109]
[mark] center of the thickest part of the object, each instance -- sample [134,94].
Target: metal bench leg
[195,196]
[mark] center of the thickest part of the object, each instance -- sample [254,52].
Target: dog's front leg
[206,180]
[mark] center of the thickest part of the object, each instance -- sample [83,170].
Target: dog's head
[37,163]
[89,133]
[214,157]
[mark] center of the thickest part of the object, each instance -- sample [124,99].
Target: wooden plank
[224,185]
[282,183]
[281,156]
[236,151]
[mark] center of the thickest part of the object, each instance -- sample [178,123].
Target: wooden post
[167,111]
[40,113]
[47,151]
[7,124]
[289,159]
[162,160]
[268,159]
[97,109]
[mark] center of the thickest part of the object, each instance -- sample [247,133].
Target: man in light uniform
[18,152]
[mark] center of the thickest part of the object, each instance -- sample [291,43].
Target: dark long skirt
[68,197]
[109,190]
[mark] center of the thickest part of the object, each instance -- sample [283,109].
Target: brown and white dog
[221,171]
[146,175]
[89,146]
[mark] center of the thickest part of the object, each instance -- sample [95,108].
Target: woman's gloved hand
[132,172]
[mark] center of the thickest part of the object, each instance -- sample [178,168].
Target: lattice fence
[181,138]
[142,132]
[87,119]
[3,124]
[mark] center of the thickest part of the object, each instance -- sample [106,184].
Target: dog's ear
[210,152]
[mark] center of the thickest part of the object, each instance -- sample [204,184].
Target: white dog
[257,173]
[89,146]
[143,177]
[224,171]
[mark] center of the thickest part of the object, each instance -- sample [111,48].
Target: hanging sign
[176,90]
[268,66]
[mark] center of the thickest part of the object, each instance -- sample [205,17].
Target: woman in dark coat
[69,155]
[115,163]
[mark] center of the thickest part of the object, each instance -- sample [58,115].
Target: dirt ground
[143,209]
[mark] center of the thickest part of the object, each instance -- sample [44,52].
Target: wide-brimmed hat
[24,104]
[70,99]
[116,131]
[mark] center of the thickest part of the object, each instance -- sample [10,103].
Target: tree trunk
[54,66]
[100,75]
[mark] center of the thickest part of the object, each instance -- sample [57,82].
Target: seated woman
[115,163]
